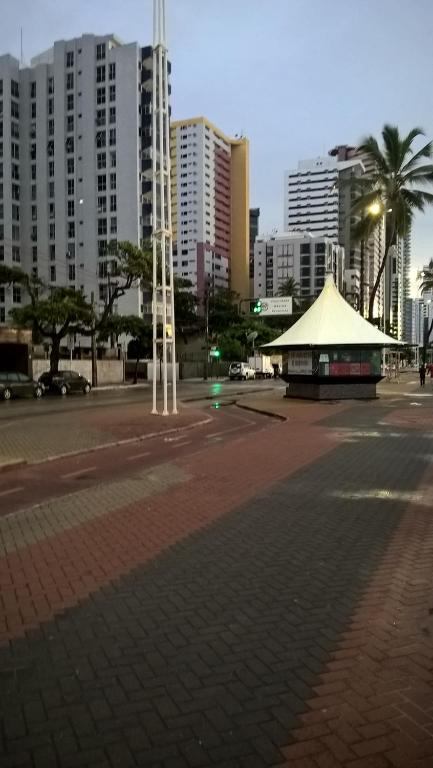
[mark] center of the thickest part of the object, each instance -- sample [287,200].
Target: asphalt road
[34,484]
[188,391]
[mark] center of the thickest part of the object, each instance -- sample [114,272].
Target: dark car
[65,382]
[14,384]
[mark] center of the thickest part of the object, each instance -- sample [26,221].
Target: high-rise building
[254,231]
[302,256]
[78,124]
[210,206]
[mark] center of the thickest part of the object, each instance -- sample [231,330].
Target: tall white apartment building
[299,255]
[314,195]
[75,165]
[210,199]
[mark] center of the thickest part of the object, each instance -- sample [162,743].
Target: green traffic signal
[217,353]
[257,307]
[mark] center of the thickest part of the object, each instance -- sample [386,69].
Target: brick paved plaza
[267,601]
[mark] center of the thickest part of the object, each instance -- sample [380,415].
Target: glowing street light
[375,209]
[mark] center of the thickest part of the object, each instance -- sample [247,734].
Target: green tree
[391,189]
[185,308]
[223,309]
[289,288]
[53,313]
[129,266]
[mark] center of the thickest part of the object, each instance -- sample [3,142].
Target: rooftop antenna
[162,234]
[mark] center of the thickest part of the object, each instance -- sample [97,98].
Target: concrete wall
[109,371]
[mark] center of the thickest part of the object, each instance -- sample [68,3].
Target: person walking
[422,374]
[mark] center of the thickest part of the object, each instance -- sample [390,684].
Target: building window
[113,203]
[70,253]
[15,110]
[51,189]
[34,253]
[71,186]
[50,148]
[112,181]
[51,168]
[52,274]
[112,114]
[2,294]
[100,51]
[111,71]
[52,252]
[113,226]
[101,139]
[33,90]
[100,95]
[34,233]
[15,130]
[15,212]
[70,59]
[69,81]
[102,183]
[15,232]
[112,93]
[101,160]
[51,85]
[100,117]
[305,248]
[15,192]
[113,159]
[70,145]
[52,231]
[102,226]
[69,101]
[70,165]
[102,248]
[15,150]
[71,208]
[71,271]
[50,107]
[102,204]
[32,151]
[51,127]
[100,74]
[71,229]
[16,256]
[69,123]
[34,213]
[2,315]
[15,89]
[112,137]
[320,248]
[16,294]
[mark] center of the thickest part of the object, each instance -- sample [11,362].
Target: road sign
[252,336]
[276,305]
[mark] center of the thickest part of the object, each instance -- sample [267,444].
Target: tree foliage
[396,183]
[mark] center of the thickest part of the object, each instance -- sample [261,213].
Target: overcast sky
[295,76]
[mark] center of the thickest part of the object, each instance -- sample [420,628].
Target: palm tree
[391,190]
[289,288]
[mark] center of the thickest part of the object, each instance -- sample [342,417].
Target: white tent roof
[332,321]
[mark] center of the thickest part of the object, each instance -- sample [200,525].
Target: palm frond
[406,143]
[370,147]
[392,147]
[425,151]
[422,174]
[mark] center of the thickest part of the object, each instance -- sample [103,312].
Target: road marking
[232,429]
[12,490]
[138,456]
[178,445]
[77,472]
[172,439]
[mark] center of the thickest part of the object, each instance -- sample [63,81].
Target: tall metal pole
[162,236]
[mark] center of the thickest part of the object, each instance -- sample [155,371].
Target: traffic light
[257,307]
[215,352]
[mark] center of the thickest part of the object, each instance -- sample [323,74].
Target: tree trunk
[362,279]
[388,243]
[55,354]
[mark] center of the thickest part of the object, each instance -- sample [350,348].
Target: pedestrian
[422,374]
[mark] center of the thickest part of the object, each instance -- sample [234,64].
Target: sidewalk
[268,602]
[36,439]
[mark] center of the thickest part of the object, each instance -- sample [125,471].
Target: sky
[296,77]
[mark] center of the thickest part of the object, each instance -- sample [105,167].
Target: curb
[272,415]
[128,440]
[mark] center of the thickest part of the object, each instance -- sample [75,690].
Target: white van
[241,371]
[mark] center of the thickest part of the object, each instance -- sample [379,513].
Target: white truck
[262,366]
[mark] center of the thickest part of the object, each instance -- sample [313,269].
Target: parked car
[14,384]
[65,382]
[241,371]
